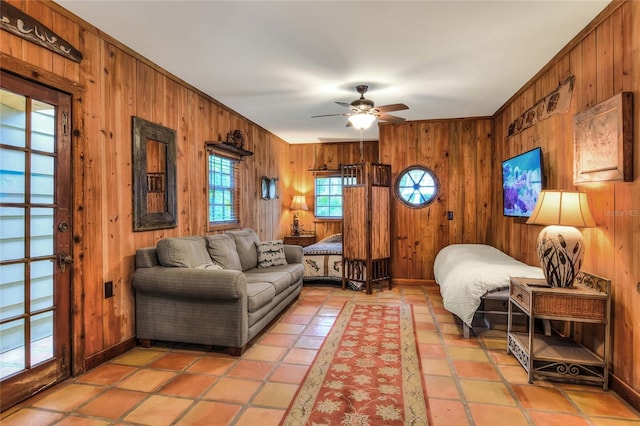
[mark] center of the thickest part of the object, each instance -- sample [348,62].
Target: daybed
[323,260]
[218,290]
[467,273]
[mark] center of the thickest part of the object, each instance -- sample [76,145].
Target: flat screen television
[522,181]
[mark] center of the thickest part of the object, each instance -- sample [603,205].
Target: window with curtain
[224,189]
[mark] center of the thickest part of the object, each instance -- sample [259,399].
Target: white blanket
[466,272]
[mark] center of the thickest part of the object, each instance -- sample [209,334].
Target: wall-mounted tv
[522,181]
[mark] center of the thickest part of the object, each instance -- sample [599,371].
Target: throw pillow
[222,249]
[183,252]
[271,253]
[246,241]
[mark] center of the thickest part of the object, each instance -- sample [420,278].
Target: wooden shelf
[229,148]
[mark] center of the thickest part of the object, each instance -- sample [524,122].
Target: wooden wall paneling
[118,266]
[483,135]
[438,210]
[456,184]
[428,219]
[90,295]
[41,57]
[469,181]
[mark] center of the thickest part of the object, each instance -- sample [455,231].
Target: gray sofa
[217,290]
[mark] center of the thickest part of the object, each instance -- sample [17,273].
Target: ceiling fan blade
[391,118]
[392,107]
[328,115]
[344,104]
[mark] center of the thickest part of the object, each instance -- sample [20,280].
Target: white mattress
[466,272]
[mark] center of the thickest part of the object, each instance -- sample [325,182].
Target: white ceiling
[280,62]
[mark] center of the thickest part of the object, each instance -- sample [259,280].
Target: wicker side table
[553,356]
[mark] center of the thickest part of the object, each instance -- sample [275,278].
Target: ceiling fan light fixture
[362,121]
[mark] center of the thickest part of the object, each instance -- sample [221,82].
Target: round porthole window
[417,187]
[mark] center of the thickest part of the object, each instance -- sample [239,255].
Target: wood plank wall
[458,151]
[109,86]
[605,59]
[300,180]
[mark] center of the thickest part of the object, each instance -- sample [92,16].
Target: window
[416,187]
[328,197]
[223,190]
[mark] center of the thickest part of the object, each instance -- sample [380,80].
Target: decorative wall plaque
[603,141]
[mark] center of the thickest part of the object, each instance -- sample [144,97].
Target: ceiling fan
[364,112]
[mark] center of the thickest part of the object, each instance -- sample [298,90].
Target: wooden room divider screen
[366,223]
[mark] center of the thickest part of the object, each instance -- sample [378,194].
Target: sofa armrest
[191,283]
[293,253]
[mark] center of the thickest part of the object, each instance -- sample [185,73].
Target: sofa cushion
[259,294]
[271,253]
[246,240]
[222,249]
[183,252]
[279,279]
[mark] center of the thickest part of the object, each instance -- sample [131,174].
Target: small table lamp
[298,203]
[560,245]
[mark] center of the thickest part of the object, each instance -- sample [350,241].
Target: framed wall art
[603,141]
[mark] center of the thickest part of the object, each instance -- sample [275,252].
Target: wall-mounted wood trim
[109,353]
[28,71]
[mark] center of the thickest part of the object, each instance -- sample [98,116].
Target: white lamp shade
[562,208]
[362,121]
[299,203]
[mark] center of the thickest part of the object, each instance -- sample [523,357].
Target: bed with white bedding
[467,272]
[323,260]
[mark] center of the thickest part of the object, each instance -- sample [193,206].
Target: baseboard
[412,282]
[109,353]
[625,391]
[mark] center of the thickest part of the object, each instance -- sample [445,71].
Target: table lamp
[299,203]
[560,245]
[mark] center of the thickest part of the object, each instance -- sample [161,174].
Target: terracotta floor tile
[300,356]
[173,361]
[289,373]
[275,395]
[68,397]
[459,340]
[317,330]
[601,404]
[159,410]
[283,340]
[146,380]
[138,357]
[326,321]
[113,403]
[514,374]
[494,415]
[265,353]
[543,398]
[467,354]
[487,392]
[296,319]
[31,416]
[249,369]
[237,391]
[475,370]
[502,357]
[305,310]
[188,385]
[81,421]
[260,416]
[106,374]
[212,365]
[210,414]
[431,351]
[309,342]
[441,387]
[435,367]
[602,421]
[288,328]
[542,418]
[428,337]
[445,412]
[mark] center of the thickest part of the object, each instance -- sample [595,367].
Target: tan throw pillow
[271,253]
[183,252]
[246,241]
[222,249]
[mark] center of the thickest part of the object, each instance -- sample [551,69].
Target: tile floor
[469,382]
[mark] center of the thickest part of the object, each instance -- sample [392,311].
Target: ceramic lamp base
[560,250]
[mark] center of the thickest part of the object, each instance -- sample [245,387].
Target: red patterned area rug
[366,373]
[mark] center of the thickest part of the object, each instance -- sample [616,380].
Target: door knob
[63,260]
